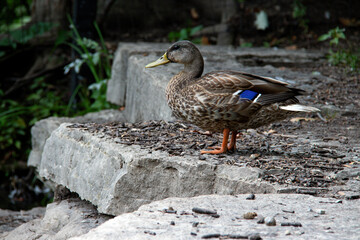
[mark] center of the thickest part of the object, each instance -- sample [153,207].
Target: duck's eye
[175,47]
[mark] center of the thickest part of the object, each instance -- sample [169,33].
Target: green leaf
[195,29]
[18,144]
[324,37]
[334,41]
[183,34]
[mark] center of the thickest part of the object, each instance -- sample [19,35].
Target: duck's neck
[188,75]
[195,68]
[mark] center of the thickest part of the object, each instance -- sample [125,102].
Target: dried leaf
[349,22]
[291,47]
[194,13]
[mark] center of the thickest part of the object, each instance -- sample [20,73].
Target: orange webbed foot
[223,148]
[216,151]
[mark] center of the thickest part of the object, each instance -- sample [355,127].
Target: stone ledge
[320,218]
[62,220]
[118,178]
[42,130]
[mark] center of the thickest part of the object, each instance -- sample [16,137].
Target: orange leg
[232,144]
[224,146]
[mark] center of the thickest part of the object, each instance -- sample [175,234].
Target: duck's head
[183,52]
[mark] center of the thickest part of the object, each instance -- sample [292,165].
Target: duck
[225,101]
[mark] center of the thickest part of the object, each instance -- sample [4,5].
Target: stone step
[119,178]
[296,217]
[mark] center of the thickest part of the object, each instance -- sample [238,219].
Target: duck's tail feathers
[299,108]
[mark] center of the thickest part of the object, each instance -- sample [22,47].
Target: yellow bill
[160,61]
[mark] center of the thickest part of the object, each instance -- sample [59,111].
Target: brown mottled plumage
[224,101]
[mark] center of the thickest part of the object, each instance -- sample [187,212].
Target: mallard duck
[225,101]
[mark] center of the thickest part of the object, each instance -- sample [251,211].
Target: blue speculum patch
[248,94]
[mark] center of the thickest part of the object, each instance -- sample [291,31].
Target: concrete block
[118,178]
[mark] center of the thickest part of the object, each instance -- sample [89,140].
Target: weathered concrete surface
[42,129]
[138,88]
[320,218]
[12,219]
[62,220]
[118,178]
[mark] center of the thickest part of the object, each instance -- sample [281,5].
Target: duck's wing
[263,90]
[243,93]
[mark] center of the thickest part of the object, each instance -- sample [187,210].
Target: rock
[348,173]
[62,220]
[150,218]
[42,130]
[294,224]
[251,196]
[260,219]
[203,211]
[250,215]
[12,219]
[320,211]
[119,178]
[270,221]
[254,236]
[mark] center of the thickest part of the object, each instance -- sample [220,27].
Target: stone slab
[42,129]
[9,219]
[118,178]
[62,220]
[320,218]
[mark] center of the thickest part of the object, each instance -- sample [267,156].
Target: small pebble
[287,232]
[193,234]
[170,210]
[195,224]
[201,157]
[203,211]
[211,235]
[288,211]
[250,215]
[254,236]
[235,236]
[352,197]
[250,197]
[270,221]
[150,232]
[339,201]
[260,220]
[254,156]
[320,211]
[172,223]
[294,224]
